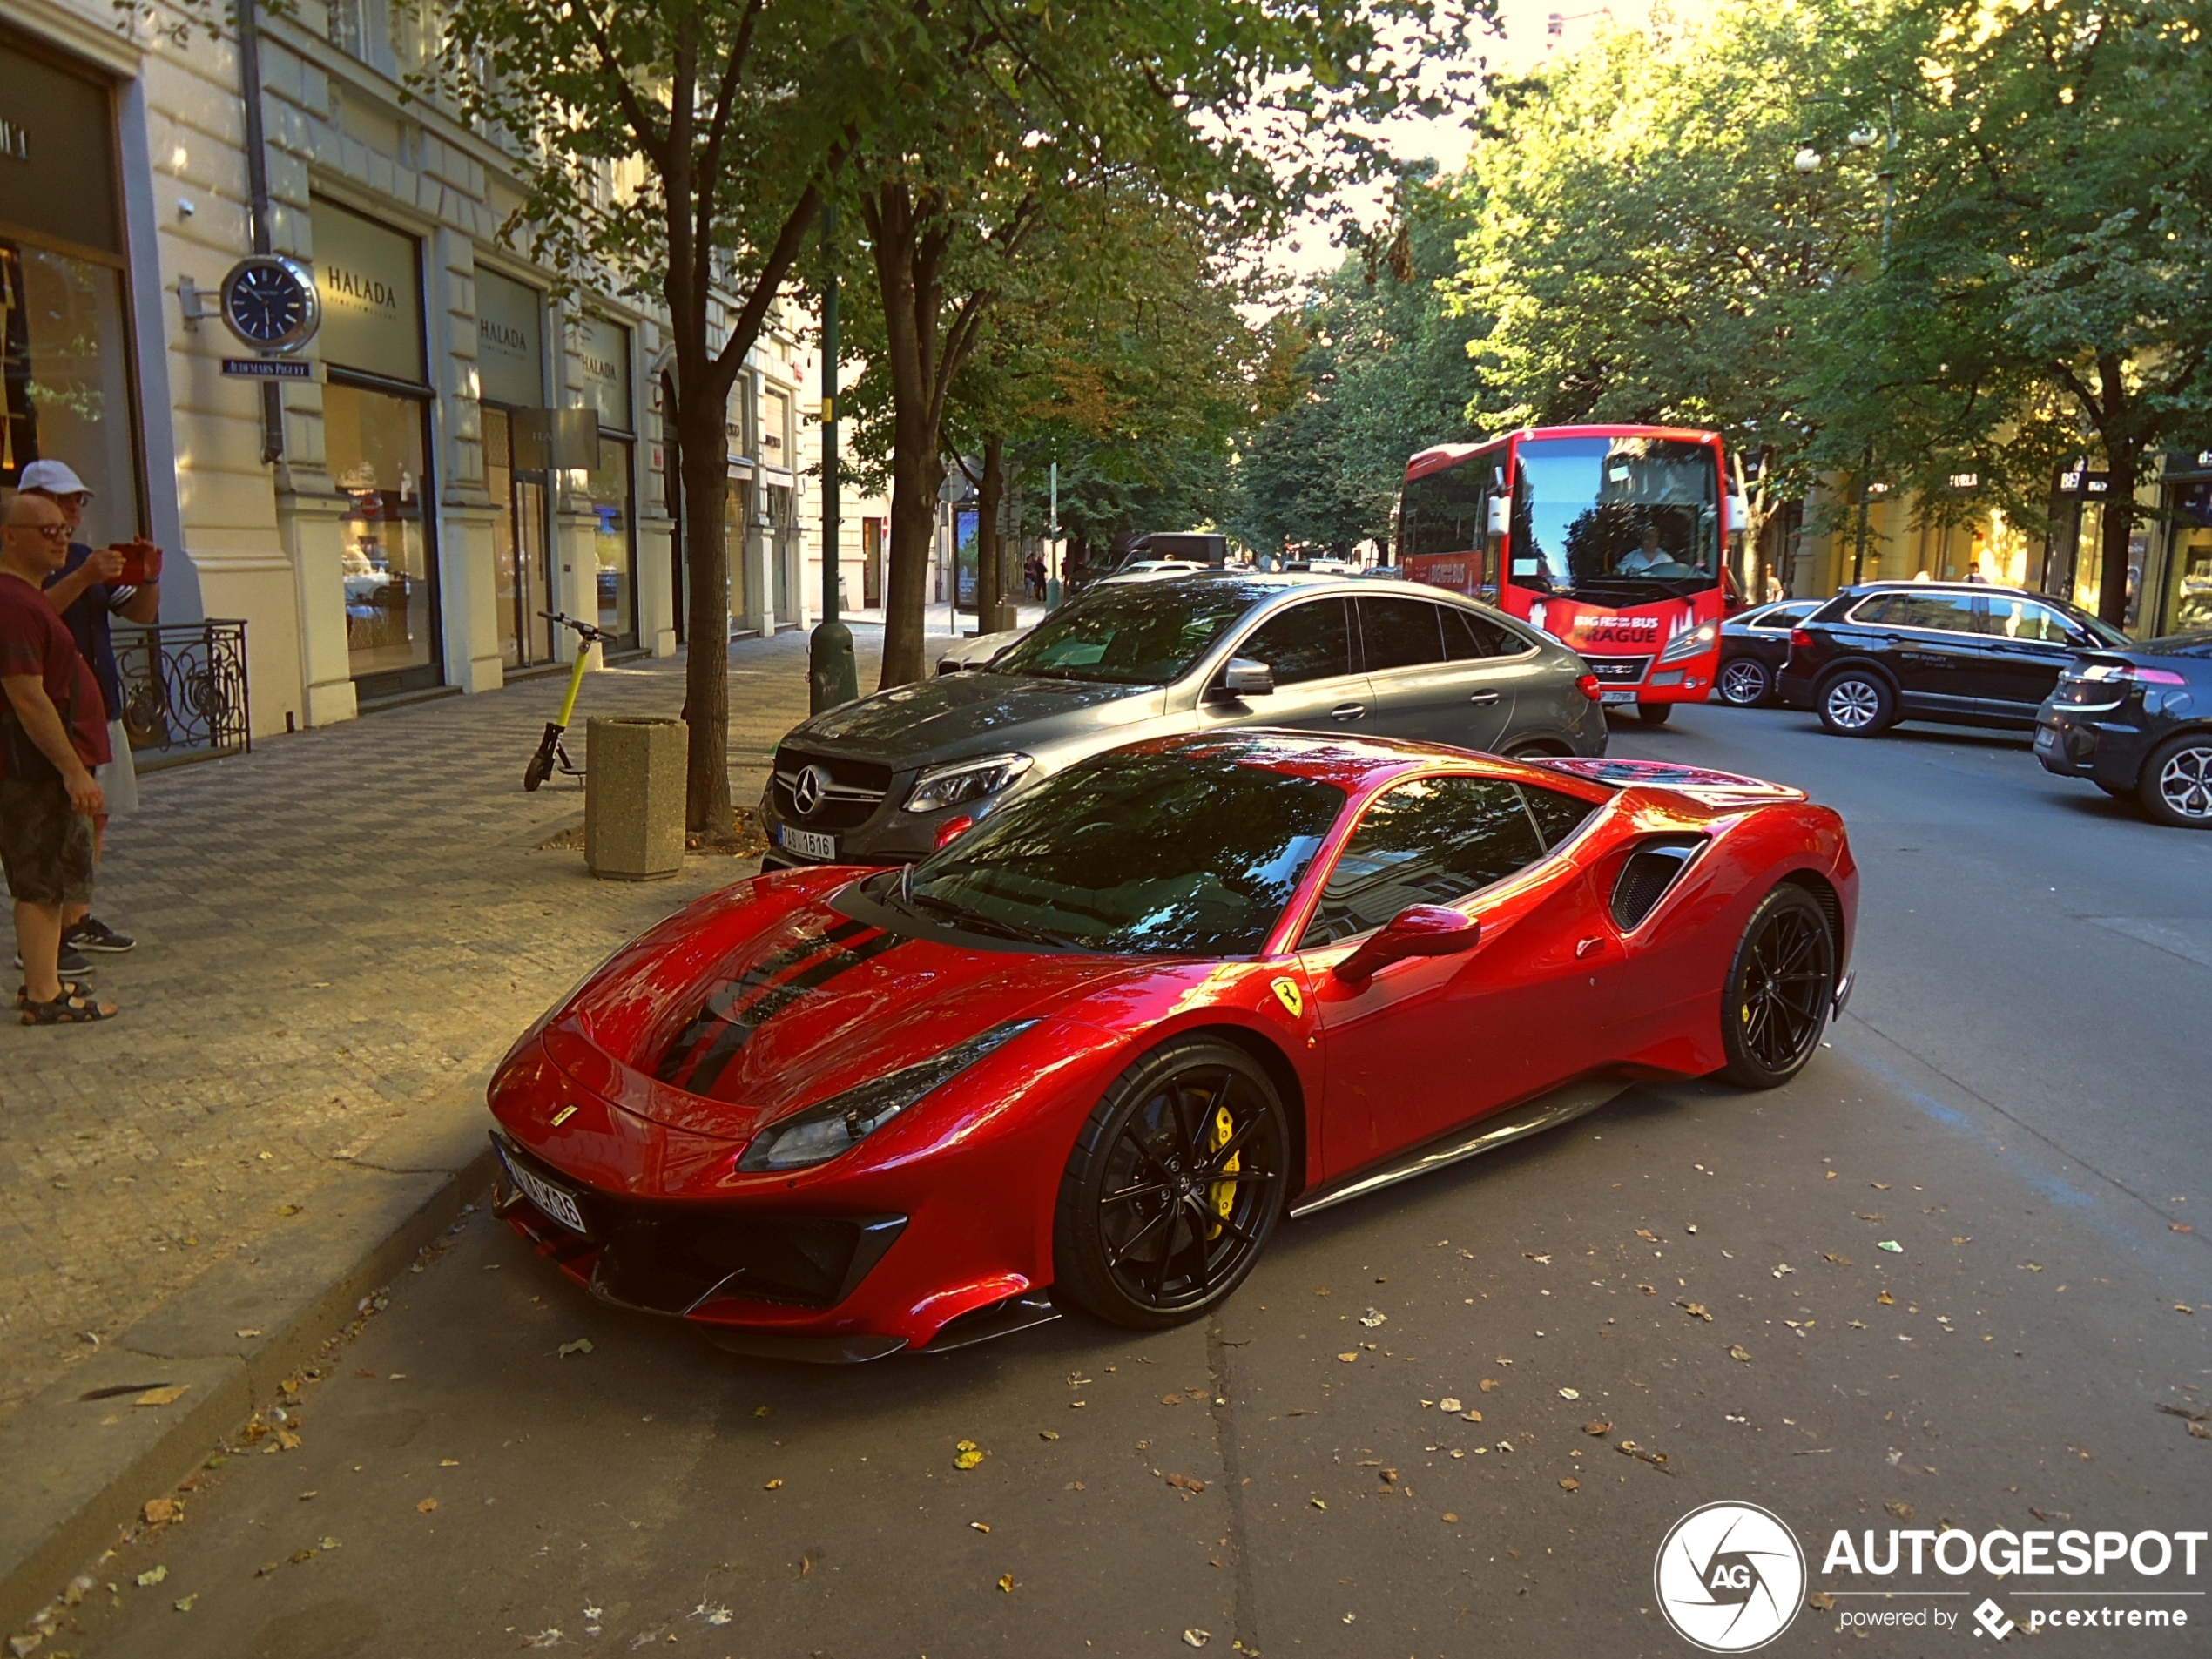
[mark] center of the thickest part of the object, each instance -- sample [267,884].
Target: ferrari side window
[1307,641]
[1557,816]
[1432,840]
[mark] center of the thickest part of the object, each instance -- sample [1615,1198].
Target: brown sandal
[69,1009]
[70,988]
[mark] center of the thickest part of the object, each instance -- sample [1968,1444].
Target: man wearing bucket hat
[92,587]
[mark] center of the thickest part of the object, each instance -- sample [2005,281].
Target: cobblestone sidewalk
[335,932]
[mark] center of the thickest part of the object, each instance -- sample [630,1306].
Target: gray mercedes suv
[878,780]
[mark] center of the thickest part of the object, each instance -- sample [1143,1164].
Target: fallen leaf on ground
[1005,1583]
[1879,1186]
[1696,1310]
[760,1411]
[1348,1358]
[160,1510]
[183,1604]
[1820,1600]
[151,1577]
[1568,1483]
[1447,1404]
[1171,1400]
[774,1485]
[1186,1483]
[287,1440]
[582,1344]
[1648,1290]
[1316,1503]
[168,1394]
[1597,1425]
[1487,1384]
[1876,1216]
[1047,1434]
[2179,1307]
[1782,1267]
[426,1506]
[287,1210]
[1542,1261]
[1197,1638]
[1647,1234]
[1886,1299]
[1898,1508]
[1737,1351]
[967,1455]
[1374,1317]
[448,1462]
[1839,1261]
[2200,1431]
[1470,1417]
[255,1331]
[2179,1227]
[1570,1394]
[1891,1245]
[1960,1239]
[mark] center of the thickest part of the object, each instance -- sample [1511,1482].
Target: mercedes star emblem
[807,792]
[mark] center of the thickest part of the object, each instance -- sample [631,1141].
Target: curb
[77,1470]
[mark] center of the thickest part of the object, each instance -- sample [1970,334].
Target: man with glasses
[88,590]
[52,733]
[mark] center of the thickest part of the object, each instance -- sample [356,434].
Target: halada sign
[370,279]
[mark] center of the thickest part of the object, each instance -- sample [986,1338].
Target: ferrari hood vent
[1655,866]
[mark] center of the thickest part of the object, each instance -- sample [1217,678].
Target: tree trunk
[990,585]
[917,474]
[700,446]
[2122,463]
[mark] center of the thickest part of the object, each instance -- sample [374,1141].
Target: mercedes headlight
[964,781]
[1691,643]
[839,1124]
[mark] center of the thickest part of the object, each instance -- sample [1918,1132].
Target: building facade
[464,448]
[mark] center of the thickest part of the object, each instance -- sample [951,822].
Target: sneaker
[72,964]
[93,934]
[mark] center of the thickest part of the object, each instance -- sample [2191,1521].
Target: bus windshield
[1616,519]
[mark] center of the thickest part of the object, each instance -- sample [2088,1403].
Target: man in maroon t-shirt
[53,732]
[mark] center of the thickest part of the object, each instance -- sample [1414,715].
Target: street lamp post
[831,677]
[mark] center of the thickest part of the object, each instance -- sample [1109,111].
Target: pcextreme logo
[1730,1577]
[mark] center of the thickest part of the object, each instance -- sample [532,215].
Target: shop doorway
[871,563]
[522,547]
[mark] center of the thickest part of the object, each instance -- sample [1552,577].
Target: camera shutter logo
[1730,1577]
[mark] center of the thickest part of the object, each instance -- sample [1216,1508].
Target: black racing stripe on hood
[714,1012]
[730,1043]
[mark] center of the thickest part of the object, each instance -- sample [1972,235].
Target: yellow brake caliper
[1223,1194]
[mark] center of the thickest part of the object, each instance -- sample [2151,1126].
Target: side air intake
[1651,869]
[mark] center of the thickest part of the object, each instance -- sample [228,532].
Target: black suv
[1965,653]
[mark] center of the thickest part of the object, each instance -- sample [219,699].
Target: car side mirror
[1244,678]
[1418,930]
[1501,515]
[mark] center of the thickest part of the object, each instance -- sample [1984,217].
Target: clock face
[270,302]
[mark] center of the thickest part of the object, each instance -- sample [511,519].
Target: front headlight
[965,780]
[839,1124]
[1691,643]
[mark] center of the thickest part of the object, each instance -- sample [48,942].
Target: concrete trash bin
[633,797]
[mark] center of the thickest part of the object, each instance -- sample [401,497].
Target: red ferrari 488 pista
[1104,1042]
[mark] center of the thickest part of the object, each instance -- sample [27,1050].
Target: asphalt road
[2017,1101]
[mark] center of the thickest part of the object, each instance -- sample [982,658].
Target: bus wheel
[1654,713]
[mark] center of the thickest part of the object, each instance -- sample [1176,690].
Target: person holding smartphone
[93,586]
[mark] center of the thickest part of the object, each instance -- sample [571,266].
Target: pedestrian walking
[92,588]
[52,733]
[1033,569]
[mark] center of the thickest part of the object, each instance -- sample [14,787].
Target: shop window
[737,507]
[376,443]
[67,373]
[775,417]
[614,541]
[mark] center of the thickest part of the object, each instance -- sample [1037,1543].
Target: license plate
[808,843]
[1611,698]
[552,1200]
[2046,738]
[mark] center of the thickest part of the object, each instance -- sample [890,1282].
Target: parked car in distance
[1964,653]
[2137,723]
[888,778]
[1754,645]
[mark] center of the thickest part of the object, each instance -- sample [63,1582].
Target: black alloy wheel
[1744,682]
[1857,703]
[1654,713]
[1780,988]
[2176,785]
[1173,1188]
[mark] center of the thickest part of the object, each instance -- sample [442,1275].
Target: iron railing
[184,690]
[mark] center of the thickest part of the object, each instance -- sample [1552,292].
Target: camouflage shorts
[45,844]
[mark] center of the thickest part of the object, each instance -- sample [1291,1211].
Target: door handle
[1483,700]
[1347,711]
[1585,949]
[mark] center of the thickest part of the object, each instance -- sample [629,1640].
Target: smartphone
[141,564]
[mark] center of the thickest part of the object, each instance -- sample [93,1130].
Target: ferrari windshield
[1138,854]
[1142,633]
[1618,520]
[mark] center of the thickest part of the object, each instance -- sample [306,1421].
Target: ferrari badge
[1291,998]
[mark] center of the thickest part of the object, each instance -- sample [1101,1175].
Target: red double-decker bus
[1612,538]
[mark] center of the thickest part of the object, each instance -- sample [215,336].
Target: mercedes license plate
[556,1202]
[1612,697]
[808,843]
